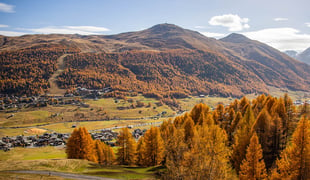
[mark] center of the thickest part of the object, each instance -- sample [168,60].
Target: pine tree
[154,151]
[294,162]
[253,167]
[126,154]
[80,145]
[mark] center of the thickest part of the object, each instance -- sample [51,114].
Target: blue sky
[283,24]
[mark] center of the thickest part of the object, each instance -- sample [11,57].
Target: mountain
[164,60]
[304,56]
[291,53]
[272,66]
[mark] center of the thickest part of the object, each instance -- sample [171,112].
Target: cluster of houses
[52,139]
[59,139]
[105,136]
[89,93]
[8,102]
[300,102]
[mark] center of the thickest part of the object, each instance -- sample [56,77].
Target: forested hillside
[26,72]
[164,59]
[165,73]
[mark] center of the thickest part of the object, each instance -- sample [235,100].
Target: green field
[54,159]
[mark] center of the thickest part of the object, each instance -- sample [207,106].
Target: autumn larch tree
[198,112]
[175,150]
[262,127]
[209,158]
[104,153]
[126,154]
[189,131]
[253,166]
[154,147]
[81,145]
[294,162]
[242,138]
[141,151]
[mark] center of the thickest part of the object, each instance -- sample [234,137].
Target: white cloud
[12,33]
[281,38]
[88,28]
[84,30]
[307,24]
[280,19]
[232,21]
[211,34]
[6,8]
[3,26]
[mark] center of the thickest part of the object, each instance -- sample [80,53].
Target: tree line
[266,138]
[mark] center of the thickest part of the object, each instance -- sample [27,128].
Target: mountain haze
[304,56]
[165,60]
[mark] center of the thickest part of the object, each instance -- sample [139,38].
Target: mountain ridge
[183,59]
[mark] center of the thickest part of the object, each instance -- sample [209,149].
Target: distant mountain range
[164,60]
[303,56]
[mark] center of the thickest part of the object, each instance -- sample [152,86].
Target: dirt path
[54,89]
[64,175]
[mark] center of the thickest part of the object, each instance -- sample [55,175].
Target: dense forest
[168,73]
[26,72]
[264,138]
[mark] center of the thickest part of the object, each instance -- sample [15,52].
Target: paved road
[64,175]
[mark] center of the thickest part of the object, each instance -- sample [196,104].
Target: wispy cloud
[232,21]
[3,26]
[307,24]
[281,38]
[12,33]
[6,8]
[88,28]
[211,34]
[83,30]
[280,19]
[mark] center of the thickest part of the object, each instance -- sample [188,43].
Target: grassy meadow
[54,159]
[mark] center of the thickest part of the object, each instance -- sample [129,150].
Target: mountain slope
[304,56]
[164,59]
[272,66]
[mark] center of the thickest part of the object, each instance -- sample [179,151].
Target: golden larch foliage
[126,154]
[154,151]
[81,145]
[294,162]
[253,166]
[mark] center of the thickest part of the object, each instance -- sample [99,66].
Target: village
[10,102]
[107,136]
